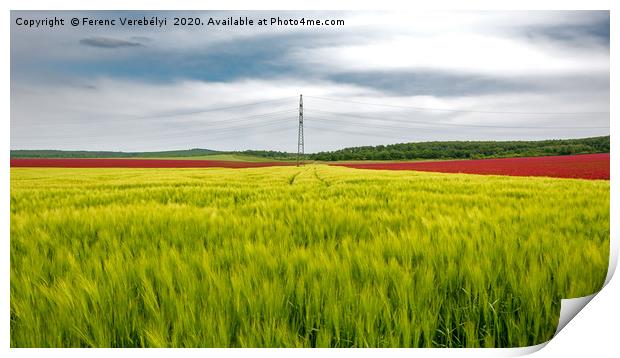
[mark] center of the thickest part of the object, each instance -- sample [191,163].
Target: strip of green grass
[229,157]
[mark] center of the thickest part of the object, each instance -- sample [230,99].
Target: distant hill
[103,154]
[468,150]
[401,151]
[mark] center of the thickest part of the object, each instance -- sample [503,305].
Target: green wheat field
[315,256]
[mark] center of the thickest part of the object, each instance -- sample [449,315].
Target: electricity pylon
[300,133]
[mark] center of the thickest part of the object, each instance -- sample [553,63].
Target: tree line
[468,150]
[400,151]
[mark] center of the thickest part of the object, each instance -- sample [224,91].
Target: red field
[137,163]
[585,166]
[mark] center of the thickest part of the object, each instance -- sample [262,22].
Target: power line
[265,123]
[220,130]
[183,140]
[229,134]
[194,134]
[454,124]
[455,110]
[198,111]
[344,131]
[107,120]
[215,135]
[244,118]
[365,125]
[155,131]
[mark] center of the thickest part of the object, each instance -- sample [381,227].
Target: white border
[593,331]
[315,5]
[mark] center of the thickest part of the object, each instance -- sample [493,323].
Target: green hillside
[400,151]
[468,150]
[108,154]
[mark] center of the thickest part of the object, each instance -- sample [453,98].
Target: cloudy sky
[381,78]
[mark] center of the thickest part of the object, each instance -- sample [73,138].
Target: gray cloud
[71,97]
[107,42]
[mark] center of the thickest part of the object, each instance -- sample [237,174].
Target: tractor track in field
[320,179]
[291,180]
